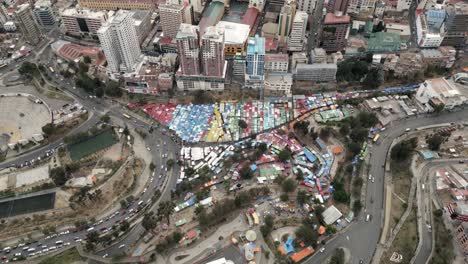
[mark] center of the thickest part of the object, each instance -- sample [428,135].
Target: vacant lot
[66,257]
[443,251]
[406,241]
[27,205]
[92,145]
[401,178]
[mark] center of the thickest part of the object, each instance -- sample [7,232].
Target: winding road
[364,236]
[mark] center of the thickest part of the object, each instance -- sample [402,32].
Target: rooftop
[331,18]
[234,33]
[443,87]
[276,57]
[256,45]
[186,31]
[75,12]
[250,17]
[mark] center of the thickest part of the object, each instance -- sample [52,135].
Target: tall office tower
[213,52]
[296,40]
[44,13]
[27,24]
[456,33]
[335,31]
[307,6]
[83,21]
[286,18]
[188,47]
[118,4]
[337,5]
[3,14]
[255,58]
[172,16]
[119,42]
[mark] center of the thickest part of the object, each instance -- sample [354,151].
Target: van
[90,229]
[368,218]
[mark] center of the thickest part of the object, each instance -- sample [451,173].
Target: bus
[51,70]
[376,138]
[126,116]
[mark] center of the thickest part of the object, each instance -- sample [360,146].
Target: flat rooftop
[234,33]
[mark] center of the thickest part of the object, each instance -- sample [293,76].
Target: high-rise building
[456,33]
[426,36]
[335,31]
[296,41]
[27,24]
[44,13]
[119,42]
[118,4]
[83,21]
[276,62]
[213,52]
[285,21]
[188,46]
[337,5]
[307,6]
[361,7]
[171,16]
[3,15]
[255,61]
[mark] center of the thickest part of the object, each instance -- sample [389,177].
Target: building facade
[456,33]
[276,62]
[118,4]
[171,16]
[44,14]
[119,42]
[317,72]
[188,46]
[83,21]
[296,41]
[285,21]
[278,84]
[27,24]
[255,59]
[213,62]
[427,37]
[335,31]
[307,6]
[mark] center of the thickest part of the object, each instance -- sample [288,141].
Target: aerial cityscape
[234,131]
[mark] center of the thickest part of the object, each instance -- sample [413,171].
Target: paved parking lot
[21,118]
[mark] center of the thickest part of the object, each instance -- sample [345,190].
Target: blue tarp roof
[311,157]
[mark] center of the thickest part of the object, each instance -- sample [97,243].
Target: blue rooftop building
[255,58]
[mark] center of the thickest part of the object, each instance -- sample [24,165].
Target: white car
[122,246]
[105,255]
[408,129]
[370,176]
[322,250]
[148,148]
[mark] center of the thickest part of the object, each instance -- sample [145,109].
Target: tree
[435,141]
[245,172]
[28,69]
[58,176]
[242,124]
[105,118]
[112,89]
[307,235]
[284,197]
[99,92]
[284,155]
[338,257]
[344,129]
[288,185]
[402,150]
[48,129]
[340,196]
[123,204]
[124,226]
[152,166]
[301,197]
[87,59]
[165,210]
[374,78]
[331,229]
[325,133]
[149,221]
[438,108]
[357,206]
[170,163]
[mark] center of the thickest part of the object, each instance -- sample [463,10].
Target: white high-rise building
[296,39]
[403,5]
[307,6]
[119,42]
[361,7]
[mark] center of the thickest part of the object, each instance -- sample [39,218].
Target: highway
[159,144]
[362,237]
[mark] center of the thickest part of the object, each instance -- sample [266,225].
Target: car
[322,250]
[373,179]
[370,176]
[368,217]
[408,129]
[461,161]
[44,246]
[361,261]
[122,246]
[148,148]
[105,255]
[144,190]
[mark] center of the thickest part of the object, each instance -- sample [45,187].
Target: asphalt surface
[159,144]
[361,237]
